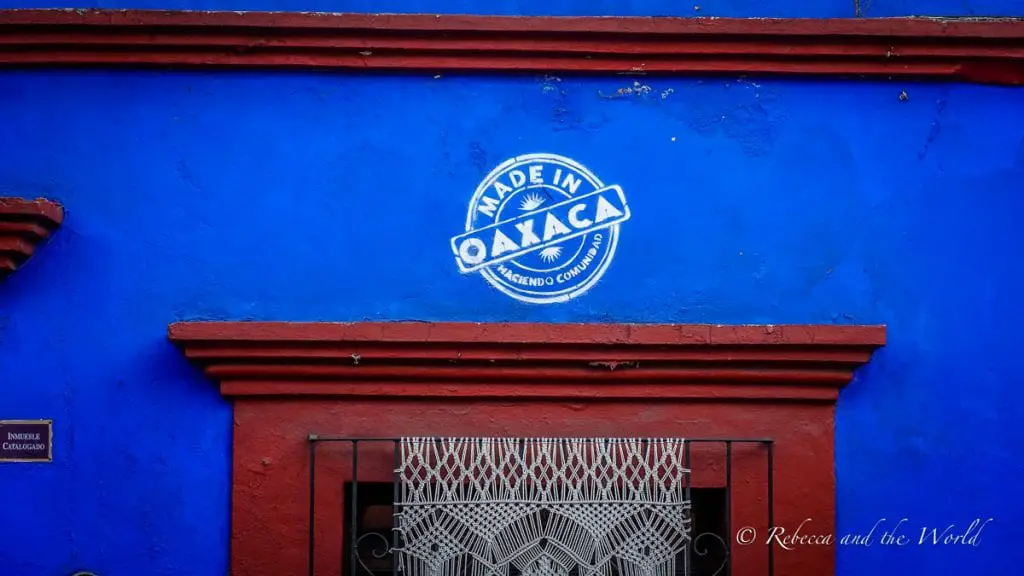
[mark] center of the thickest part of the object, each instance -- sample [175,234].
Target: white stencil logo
[541,228]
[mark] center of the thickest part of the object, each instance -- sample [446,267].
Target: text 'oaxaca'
[541,228]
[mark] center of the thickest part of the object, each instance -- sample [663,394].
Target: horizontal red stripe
[247,334]
[975,50]
[547,353]
[873,27]
[646,393]
[597,375]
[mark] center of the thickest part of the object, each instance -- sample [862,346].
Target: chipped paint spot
[641,88]
[549,84]
[637,89]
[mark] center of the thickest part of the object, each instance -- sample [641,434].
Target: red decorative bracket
[542,361]
[975,49]
[24,225]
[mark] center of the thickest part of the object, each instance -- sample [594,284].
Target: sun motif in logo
[551,253]
[531,201]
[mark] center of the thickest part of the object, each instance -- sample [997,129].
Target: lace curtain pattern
[542,506]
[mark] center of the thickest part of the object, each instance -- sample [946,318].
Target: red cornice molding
[979,50]
[24,225]
[554,361]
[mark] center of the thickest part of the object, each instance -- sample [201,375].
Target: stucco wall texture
[333,197]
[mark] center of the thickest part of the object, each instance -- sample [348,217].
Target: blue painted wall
[723,8]
[333,197]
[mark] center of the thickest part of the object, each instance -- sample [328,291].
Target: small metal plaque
[26,440]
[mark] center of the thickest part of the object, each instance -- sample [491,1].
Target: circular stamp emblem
[541,228]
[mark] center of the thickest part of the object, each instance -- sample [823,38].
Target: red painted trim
[545,392]
[527,333]
[604,362]
[24,225]
[289,380]
[978,50]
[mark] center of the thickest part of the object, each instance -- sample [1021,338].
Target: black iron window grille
[535,506]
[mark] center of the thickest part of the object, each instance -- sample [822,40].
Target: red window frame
[288,380]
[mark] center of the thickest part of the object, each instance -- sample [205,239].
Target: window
[361,380]
[536,507]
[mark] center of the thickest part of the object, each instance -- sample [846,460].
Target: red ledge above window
[979,50]
[24,225]
[541,361]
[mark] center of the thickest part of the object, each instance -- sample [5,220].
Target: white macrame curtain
[546,506]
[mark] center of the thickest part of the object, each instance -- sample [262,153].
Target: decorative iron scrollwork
[382,550]
[381,547]
[703,551]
